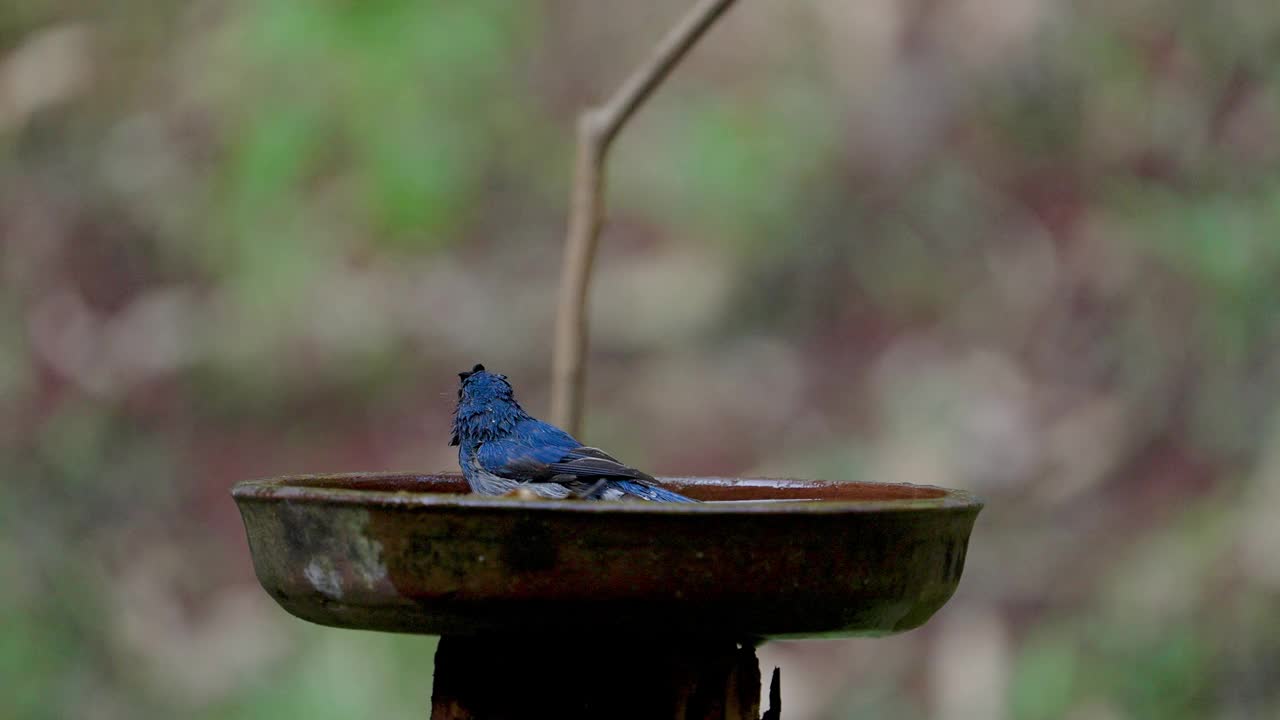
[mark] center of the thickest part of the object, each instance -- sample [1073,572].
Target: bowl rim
[295,488]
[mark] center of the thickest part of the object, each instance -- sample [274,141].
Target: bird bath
[605,609]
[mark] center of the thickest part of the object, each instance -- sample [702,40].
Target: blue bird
[502,448]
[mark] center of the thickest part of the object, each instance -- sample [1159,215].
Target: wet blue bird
[502,448]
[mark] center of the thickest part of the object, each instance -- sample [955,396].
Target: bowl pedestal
[496,678]
[574,609]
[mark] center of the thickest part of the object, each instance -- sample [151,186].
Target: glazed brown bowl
[761,558]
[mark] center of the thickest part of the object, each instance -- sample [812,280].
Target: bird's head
[486,404]
[480,387]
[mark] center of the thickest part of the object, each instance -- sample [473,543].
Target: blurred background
[1023,247]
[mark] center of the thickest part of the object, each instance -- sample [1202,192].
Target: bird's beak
[472,371]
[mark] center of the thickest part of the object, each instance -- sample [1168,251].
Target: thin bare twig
[597,128]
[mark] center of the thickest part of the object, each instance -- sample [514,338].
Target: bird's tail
[646,491]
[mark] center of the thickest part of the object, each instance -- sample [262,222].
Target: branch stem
[597,128]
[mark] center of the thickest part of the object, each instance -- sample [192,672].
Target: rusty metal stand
[501,678]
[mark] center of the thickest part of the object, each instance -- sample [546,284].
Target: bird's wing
[527,453]
[538,452]
[589,462]
[516,459]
